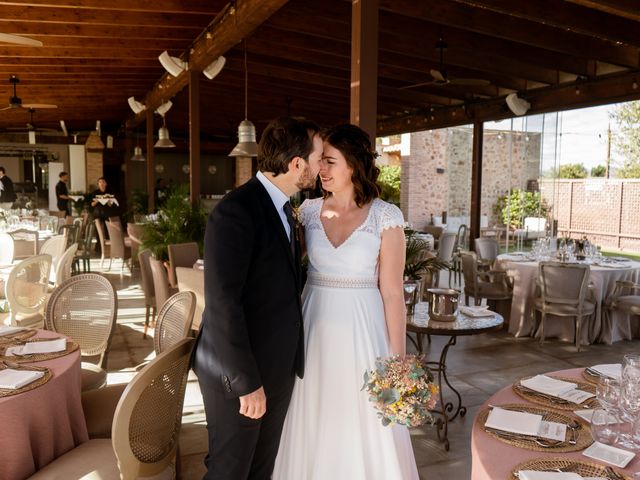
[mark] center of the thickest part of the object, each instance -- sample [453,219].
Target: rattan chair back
[147,420]
[6,249]
[174,320]
[63,268]
[84,308]
[26,289]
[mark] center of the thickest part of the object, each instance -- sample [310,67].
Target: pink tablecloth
[494,460]
[40,425]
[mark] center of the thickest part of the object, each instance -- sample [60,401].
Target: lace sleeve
[390,217]
[303,212]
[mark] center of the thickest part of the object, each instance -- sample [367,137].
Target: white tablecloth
[602,327]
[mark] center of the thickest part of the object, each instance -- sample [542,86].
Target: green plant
[177,222]
[418,261]
[599,171]
[389,181]
[137,204]
[572,170]
[514,207]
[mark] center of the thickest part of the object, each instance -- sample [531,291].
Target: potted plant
[420,264]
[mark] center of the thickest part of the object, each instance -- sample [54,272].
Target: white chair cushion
[92,376]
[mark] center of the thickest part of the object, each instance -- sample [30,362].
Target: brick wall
[607,211]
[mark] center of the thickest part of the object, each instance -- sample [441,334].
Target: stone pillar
[243,170]
[94,148]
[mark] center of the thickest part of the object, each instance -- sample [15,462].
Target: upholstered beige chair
[135,231]
[84,308]
[446,246]
[54,246]
[26,290]
[436,231]
[105,244]
[498,286]
[626,297]
[190,279]
[148,288]
[120,245]
[174,320]
[6,249]
[181,255]
[25,243]
[161,285]
[143,422]
[63,267]
[562,291]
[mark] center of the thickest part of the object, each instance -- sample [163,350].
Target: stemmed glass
[630,401]
[604,422]
[409,295]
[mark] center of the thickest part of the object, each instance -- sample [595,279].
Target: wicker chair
[26,290]
[174,321]
[84,308]
[105,244]
[143,422]
[148,288]
[63,268]
[54,246]
[25,242]
[181,255]
[562,291]
[6,249]
[120,245]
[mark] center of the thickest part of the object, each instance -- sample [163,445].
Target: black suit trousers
[240,447]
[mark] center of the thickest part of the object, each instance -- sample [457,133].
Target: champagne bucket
[443,304]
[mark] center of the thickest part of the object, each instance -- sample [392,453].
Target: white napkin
[547,385]
[476,312]
[533,475]
[29,348]
[13,379]
[8,330]
[613,370]
[517,422]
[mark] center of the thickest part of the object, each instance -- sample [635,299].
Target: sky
[582,139]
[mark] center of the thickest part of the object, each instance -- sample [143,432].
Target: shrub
[513,208]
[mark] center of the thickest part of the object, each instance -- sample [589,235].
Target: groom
[251,342]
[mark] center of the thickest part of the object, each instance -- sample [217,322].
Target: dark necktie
[292,227]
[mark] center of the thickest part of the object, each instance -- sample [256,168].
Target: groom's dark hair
[284,139]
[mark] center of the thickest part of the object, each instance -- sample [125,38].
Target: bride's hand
[254,404]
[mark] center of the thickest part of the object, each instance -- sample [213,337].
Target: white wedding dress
[332,431]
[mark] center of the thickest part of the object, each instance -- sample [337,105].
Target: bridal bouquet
[401,390]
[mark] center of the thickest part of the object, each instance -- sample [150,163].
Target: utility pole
[608,149]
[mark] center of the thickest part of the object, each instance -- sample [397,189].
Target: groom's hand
[254,404]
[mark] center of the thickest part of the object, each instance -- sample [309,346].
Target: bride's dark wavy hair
[355,146]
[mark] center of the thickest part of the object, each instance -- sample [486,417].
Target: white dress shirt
[278,198]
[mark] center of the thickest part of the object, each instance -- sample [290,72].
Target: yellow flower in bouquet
[401,390]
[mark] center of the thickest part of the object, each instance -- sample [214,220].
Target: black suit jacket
[251,333]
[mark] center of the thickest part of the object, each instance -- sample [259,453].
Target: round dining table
[494,460]
[42,424]
[603,326]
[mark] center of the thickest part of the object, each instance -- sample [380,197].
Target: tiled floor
[478,365]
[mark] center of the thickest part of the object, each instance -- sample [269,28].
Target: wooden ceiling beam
[225,31]
[131,32]
[47,15]
[567,17]
[486,22]
[623,8]
[166,6]
[604,91]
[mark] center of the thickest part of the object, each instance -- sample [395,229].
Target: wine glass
[409,295]
[604,426]
[608,393]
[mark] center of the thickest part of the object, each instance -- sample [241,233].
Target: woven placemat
[559,403]
[17,337]
[37,357]
[581,433]
[546,464]
[7,392]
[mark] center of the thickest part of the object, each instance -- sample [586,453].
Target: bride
[353,309]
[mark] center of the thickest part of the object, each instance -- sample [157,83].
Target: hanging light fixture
[138,156]
[163,133]
[247,146]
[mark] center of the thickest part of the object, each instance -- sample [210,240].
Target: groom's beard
[307,180]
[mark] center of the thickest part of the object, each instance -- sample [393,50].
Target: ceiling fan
[19,40]
[16,102]
[440,77]
[30,125]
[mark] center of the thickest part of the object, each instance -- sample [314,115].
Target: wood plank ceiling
[96,53]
